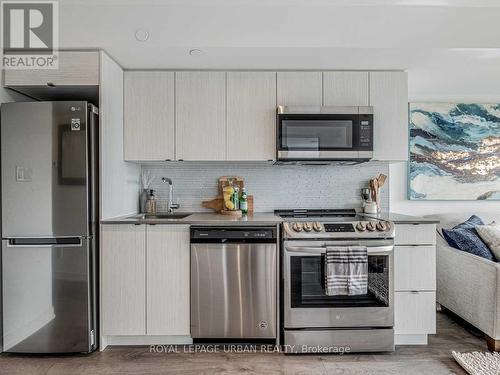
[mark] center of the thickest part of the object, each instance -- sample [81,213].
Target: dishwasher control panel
[233,234]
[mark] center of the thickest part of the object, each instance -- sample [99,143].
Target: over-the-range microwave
[324,133]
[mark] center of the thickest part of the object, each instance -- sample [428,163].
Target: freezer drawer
[48,295]
[233,290]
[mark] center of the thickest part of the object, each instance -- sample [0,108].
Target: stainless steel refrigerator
[49,226]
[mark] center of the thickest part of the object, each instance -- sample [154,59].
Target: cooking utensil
[381,180]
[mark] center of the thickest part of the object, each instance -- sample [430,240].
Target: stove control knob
[361,226]
[297,227]
[371,226]
[318,227]
[308,227]
[381,226]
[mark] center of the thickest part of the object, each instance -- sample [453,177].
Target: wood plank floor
[433,359]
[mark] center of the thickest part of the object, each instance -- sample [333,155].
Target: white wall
[119,179]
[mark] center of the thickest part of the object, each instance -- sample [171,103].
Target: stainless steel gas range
[313,321]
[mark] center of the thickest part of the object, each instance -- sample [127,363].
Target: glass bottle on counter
[151,203]
[236,198]
[143,198]
[244,202]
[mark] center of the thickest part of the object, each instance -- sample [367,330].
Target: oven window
[316,134]
[308,284]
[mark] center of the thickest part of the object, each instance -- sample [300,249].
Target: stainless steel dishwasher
[233,282]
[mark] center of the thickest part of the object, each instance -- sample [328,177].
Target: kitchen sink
[161,216]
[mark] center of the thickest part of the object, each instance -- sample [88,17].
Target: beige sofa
[469,285]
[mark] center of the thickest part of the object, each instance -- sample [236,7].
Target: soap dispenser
[151,203]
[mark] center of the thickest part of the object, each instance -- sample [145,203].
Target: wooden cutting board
[217,204]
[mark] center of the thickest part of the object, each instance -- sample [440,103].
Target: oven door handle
[322,250]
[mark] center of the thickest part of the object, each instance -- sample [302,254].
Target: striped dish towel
[346,270]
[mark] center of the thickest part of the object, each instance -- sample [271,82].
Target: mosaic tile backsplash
[273,186]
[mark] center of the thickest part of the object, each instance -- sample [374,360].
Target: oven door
[323,137]
[306,304]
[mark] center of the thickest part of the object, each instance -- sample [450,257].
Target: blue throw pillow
[470,223]
[464,237]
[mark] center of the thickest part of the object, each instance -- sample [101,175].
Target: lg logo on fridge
[29,34]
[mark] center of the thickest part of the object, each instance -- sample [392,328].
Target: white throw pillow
[490,234]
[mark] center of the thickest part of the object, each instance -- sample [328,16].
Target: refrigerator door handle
[93,156]
[45,242]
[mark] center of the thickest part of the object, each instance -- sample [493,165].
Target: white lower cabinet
[144,284]
[414,283]
[415,268]
[167,280]
[415,313]
[123,280]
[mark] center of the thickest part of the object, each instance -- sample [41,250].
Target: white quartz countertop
[402,219]
[201,218]
[257,218]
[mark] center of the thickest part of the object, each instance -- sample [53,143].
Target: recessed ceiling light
[195,52]
[141,35]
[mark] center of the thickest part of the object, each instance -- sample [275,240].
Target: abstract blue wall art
[454,151]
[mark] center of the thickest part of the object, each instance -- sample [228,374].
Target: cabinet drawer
[415,234]
[414,313]
[75,68]
[415,268]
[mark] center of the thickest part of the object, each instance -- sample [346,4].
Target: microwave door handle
[322,250]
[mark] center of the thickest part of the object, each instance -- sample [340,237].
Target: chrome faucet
[171,206]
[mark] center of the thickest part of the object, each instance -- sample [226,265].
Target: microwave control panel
[365,130]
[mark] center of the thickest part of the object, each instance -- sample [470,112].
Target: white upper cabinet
[299,88]
[149,116]
[78,68]
[345,88]
[389,98]
[200,118]
[251,115]
[215,116]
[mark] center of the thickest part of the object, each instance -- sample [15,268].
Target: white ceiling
[444,44]
[446,3]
